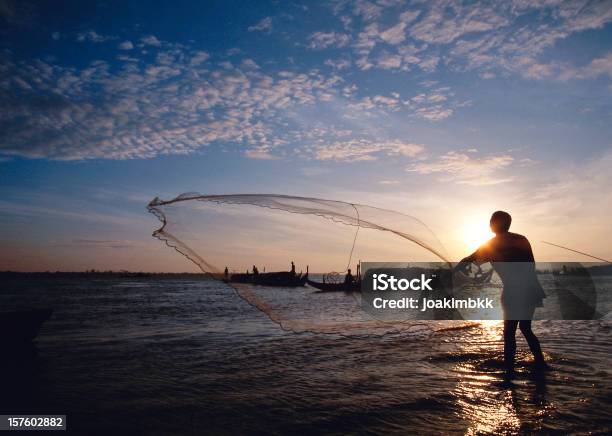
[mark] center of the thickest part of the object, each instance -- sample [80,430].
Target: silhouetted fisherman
[292,268]
[348,278]
[226,273]
[255,270]
[511,256]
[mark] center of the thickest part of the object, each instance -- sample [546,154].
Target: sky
[442,110]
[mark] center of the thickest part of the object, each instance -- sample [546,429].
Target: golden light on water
[487,408]
[488,327]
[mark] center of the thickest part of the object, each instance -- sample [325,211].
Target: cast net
[234,237]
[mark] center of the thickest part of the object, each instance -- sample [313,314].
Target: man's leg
[532,340]
[509,342]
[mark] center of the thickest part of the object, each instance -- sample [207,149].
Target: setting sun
[474,235]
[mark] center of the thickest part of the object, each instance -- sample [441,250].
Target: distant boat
[335,287]
[353,286]
[22,326]
[280,279]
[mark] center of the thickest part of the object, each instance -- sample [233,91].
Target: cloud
[171,104]
[102,243]
[72,215]
[434,113]
[126,58]
[377,102]
[490,38]
[175,99]
[93,36]
[322,40]
[250,64]
[198,58]
[395,34]
[436,97]
[150,40]
[388,61]
[126,45]
[265,25]
[429,64]
[444,23]
[338,64]
[538,71]
[355,150]
[597,67]
[260,153]
[435,105]
[367,10]
[464,169]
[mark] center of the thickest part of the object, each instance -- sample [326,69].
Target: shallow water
[185,356]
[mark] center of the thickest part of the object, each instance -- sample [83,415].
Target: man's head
[500,222]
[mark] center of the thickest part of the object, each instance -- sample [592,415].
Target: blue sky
[430,108]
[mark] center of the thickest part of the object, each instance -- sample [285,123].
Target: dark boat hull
[279,279]
[335,287]
[22,326]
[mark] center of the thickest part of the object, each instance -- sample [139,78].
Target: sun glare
[474,235]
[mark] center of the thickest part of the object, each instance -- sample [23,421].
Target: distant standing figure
[292,268]
[511,256]
[226,273]
[255,270]
[348,278]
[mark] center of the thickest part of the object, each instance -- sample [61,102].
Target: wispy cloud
[176,100]
[173,105]
[260,153]
[464,169]
[597,67]
[265,25]
[150,40]
[93,36]
[198,58]
[365,150]
[153,97]
[102,243]
[338,64]
[321,40]
[126,45]
[19,209]
[480,35]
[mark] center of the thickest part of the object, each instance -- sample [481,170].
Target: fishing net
[269,233]
[283,254]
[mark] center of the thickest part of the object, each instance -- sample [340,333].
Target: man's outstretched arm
[466,261]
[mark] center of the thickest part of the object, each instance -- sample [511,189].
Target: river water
[189,356]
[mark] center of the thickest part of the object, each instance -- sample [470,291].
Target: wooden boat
[354,286]
[335,287]
[280,279]
[22,326]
